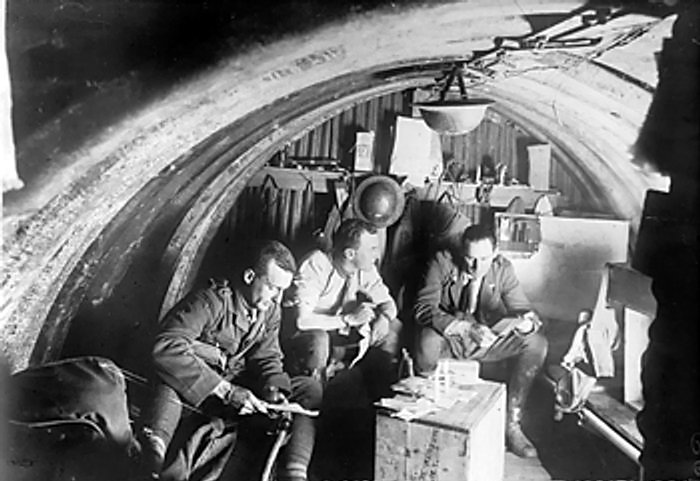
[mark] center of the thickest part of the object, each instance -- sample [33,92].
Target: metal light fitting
[453,115]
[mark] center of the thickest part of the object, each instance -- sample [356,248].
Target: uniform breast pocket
[210,353]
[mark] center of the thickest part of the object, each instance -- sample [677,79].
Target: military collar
[457,273]
[244,312]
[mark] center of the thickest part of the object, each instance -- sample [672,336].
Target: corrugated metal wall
[560,179]
[497,137]
[287,215]
[503,141]
[273,213]
[335,138]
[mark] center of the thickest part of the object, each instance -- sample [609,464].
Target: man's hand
[469,333]
[251,404]
[459,328]
[482,335]
[529,323]
[244,401]
[380,330]
[228,401]
[272,395]
[568,363]
[362,314]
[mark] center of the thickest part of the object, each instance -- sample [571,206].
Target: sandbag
[85,391]
[68,421]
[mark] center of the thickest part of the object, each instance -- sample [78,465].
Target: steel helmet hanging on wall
[379,200]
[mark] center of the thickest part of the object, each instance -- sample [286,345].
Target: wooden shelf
[297,179]
[500,195]
[630,288]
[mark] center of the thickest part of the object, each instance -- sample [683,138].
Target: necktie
[469,298]
[256,324]
[342,296]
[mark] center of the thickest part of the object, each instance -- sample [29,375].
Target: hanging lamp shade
[453,114]
[454,117]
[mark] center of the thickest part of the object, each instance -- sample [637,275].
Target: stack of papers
[418,397]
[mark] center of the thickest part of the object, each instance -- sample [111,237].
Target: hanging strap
[269,179]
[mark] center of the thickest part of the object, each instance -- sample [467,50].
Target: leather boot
[518,389]
[516,441]
[293,463]
[294,460]
[525,367]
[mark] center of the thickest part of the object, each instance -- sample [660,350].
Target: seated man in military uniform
[218,353]
[470,305]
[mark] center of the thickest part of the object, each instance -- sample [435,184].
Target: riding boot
[526,367]
[293,464]
[516,440]
[161,418]
[294,460]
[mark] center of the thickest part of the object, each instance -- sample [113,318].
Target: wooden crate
[465,442]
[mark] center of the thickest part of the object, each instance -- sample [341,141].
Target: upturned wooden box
[464,442]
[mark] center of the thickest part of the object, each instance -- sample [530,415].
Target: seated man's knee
[536,345]
[392,341]
[307,391]
[429,346]
[309,351]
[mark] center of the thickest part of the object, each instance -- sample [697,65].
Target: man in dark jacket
[218,352]
[471,306]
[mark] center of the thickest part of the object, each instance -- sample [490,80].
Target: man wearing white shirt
[344,310]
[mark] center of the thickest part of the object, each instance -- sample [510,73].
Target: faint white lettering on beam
[306,62]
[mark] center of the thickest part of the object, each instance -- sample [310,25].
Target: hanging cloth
[603,335]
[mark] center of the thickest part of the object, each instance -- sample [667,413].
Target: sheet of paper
[417,152]
[293,408]
[364,151]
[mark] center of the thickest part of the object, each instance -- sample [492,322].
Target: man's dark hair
[477,232]
[272,250]
[348,234]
